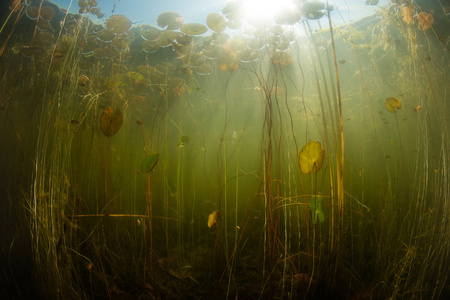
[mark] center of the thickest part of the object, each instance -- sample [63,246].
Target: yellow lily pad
[311,157]
[392,104]
[212,219]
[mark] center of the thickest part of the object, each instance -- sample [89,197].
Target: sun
[265,10]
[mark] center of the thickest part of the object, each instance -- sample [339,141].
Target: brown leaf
[111,122]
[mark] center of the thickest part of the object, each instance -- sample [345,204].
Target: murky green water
[272,161]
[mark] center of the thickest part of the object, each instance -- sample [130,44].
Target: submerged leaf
[172,188]
[212,219]
[425,20]
[149,162]
[183,141]
[392,104]
[407,14]
[111,122]
[315,204]
[311,157]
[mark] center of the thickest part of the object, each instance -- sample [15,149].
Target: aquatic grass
[100,228]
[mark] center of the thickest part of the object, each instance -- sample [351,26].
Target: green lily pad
[149,162]
[315,205]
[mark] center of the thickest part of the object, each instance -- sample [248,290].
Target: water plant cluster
[289,158]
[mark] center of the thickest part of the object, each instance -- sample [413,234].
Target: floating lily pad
[311,157]
[166,37]
[32,12]
[150,46]
[149,162]
[238,43]
[150,33]
[184,39]
[172,20]
[203,69]
[313,10]
[47,13]
[105,35]
[220,38]
[118,24]
[392,104]
[315,205]
[248,55]
[110,121]
[228,61]
[216,22]
[165,68]
[193,59]
[193,28]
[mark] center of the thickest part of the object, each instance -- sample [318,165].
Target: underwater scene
[235,150]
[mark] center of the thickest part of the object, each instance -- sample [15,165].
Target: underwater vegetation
[311,158]
[392,104]
[301,154]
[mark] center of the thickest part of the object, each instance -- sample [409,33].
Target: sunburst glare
[266,10]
